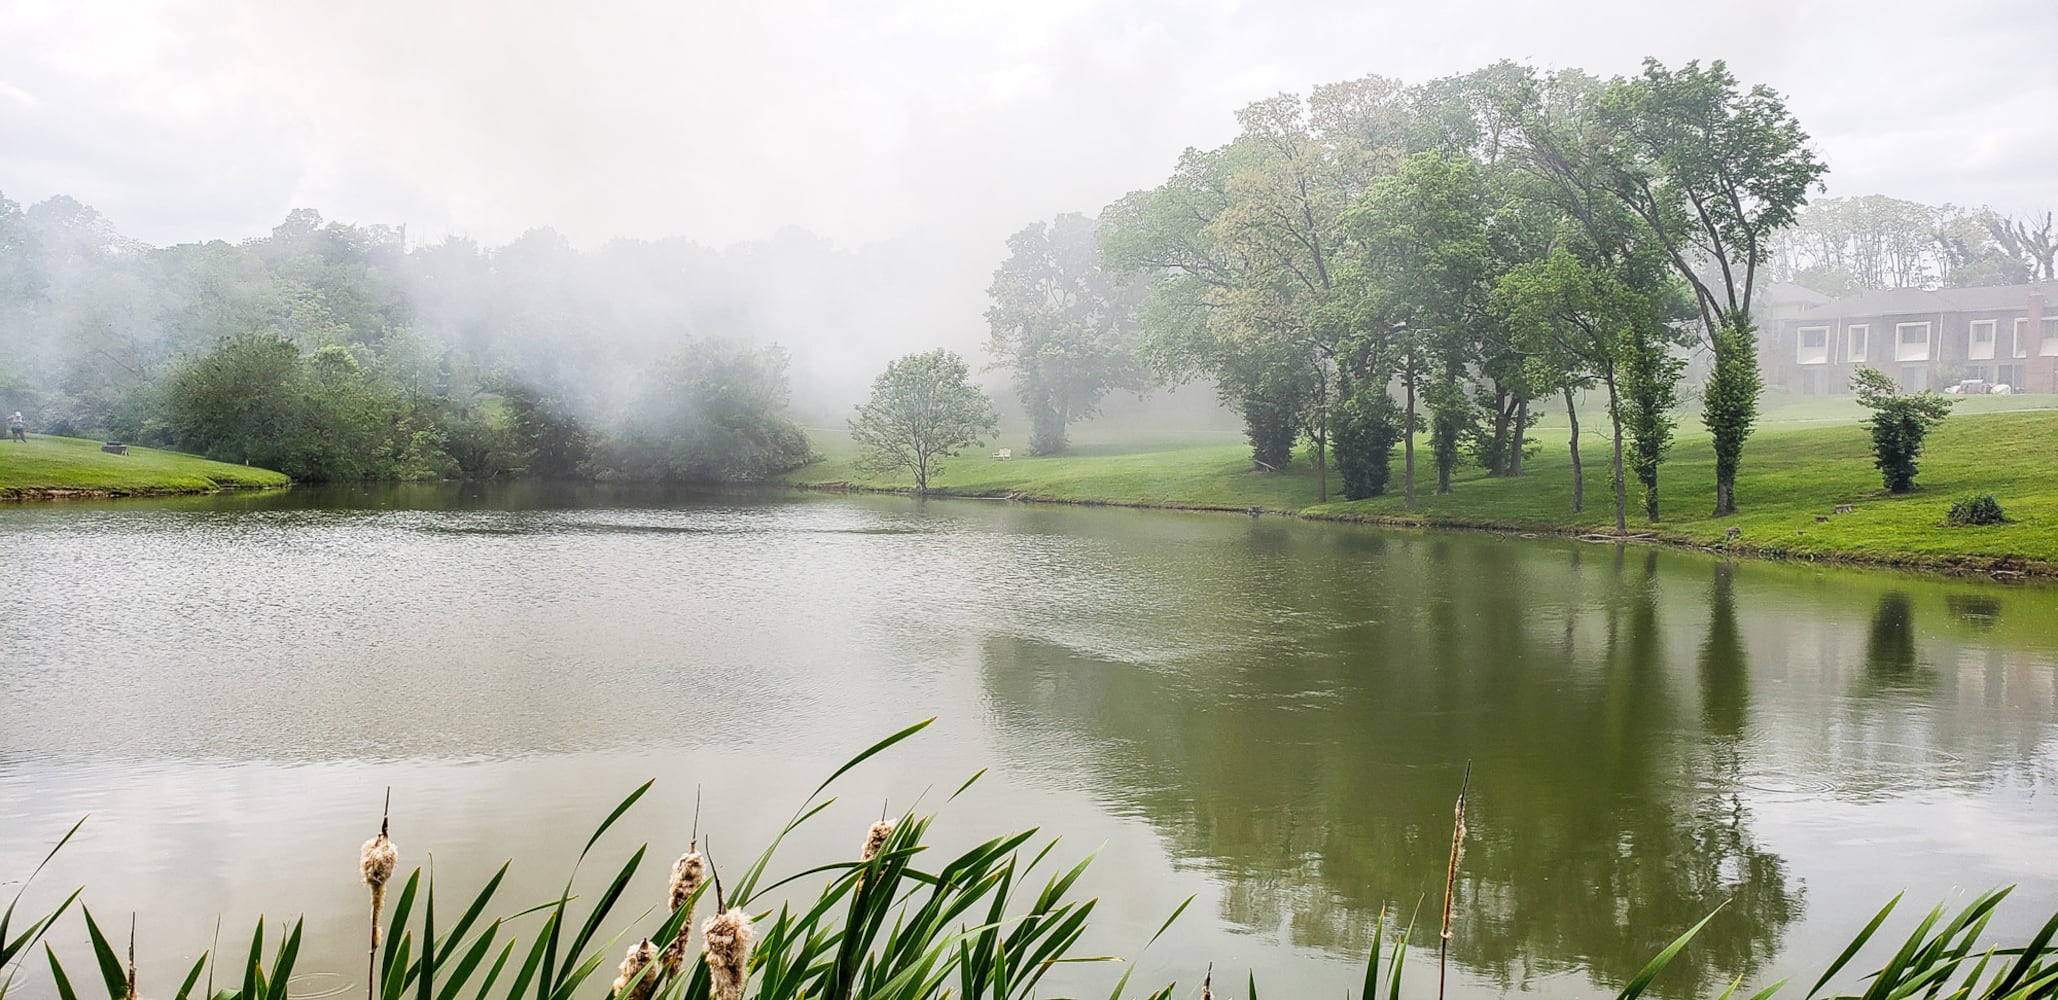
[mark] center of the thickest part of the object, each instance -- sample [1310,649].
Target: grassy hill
[57,466]
[1808,457]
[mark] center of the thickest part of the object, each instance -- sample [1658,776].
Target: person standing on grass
[17,428]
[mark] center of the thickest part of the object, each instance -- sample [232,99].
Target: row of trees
[1373,262]
[333,351]
[1842,245]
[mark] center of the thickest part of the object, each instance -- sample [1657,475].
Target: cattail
[687,875]
[378,858]
[725,939]
[876,839]
[638,979]
[1208,983]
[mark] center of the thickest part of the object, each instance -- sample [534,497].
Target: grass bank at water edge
[58,467]
[1806,460]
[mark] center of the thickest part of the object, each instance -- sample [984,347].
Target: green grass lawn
[58,465]
[1807,457]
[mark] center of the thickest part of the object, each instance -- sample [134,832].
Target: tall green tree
[1065,328]
[1432,235]
[242,402]
[1251,239]
[1714,171]
[923,409]
[1595,321]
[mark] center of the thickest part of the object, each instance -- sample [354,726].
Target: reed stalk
[1450,880]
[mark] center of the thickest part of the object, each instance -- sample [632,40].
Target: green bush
[1980,508]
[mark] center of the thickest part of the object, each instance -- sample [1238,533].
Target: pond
[1271,716]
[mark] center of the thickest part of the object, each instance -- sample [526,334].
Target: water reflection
[1890,660]
[1618,755]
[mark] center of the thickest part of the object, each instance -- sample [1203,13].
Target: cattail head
[377,858]
[637,978]
[1208,984]
[876,839]
[687,875]
[725,939]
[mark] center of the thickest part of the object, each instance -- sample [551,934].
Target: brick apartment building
[1925,339]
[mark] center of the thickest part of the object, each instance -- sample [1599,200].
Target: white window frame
[1901,344]
[1805,355]
[1972,344]
[1857,338]
[2050,347]
[2021,344]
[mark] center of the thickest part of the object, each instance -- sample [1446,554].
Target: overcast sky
[953,119]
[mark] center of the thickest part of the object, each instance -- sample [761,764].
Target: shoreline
[62,494]
[1998,569]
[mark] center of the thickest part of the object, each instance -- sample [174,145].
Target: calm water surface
[1271,716]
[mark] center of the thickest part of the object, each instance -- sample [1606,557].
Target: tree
[923,409]
[1650,374]
[1435,235]
[1898,424]
[1715,172]
[1250,238]
[1063,326]
[716,412]
[240,403]
[1595,324]
[1367,426]
[1711,172]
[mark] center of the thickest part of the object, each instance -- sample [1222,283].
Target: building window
[2009,375]
[2021,337]
[1814,345]
[1914,379]
[1911,342]
[1976,372]
[1982,344]
[1854,342]
[2050,337]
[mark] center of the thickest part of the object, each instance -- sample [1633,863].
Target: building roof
[1903,301]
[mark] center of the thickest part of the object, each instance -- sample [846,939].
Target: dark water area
[1271,716]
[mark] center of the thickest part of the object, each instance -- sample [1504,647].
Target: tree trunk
[1621,483]
[1578,477]
[1322,467]
[1408,449]
[1501,412]
[1521,435]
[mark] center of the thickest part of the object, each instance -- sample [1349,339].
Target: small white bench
[1004,454]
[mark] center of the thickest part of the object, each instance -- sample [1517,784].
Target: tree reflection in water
[1316,780]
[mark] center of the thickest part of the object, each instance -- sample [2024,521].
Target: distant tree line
[338,352]
[1839,246]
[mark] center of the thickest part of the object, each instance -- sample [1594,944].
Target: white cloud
[953,119]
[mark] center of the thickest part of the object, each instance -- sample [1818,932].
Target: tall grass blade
[282,966]
[111,971]
[2028,961]
[57,976]
[1643,979]
[253,965]
[872,751]
[192,978]
[1856,943]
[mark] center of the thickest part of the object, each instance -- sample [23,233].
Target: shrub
[1898,423]
[1979,508]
